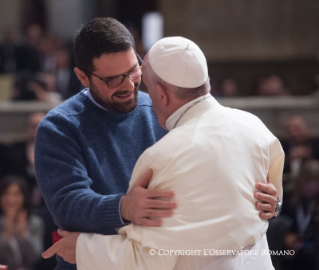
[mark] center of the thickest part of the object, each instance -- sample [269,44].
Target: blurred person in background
[15,56]
[298,146]
[270,86]
[20,230]
[67,84]
[139,47]
[214,88]
[8,51]
[302,207]
[39,86]
[33,35]
[19,157]
[29,87]
[46,48]
[228,88]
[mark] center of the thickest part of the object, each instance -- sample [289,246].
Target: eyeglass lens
[115,82]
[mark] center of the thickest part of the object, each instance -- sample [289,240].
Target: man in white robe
[210,159]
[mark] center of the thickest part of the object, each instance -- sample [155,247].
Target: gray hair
[179,92]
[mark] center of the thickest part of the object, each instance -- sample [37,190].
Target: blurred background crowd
[36,66]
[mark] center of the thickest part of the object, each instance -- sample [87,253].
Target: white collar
[206,102]
[88,94]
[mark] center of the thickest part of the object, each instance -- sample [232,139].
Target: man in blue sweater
[86,148]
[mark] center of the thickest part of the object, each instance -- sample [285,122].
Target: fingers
[160,204]
[267,188]
[154,213]
[156,193]
[51,251]
[268,209]
[140,203]
[144,180]
[264,207]
[265,198]
[142,217]
[3,267]
[266,215]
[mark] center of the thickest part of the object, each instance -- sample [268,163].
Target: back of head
[100,36]
[180,65]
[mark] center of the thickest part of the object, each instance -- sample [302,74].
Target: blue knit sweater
[84,157]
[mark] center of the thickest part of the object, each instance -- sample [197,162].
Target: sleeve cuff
[124,222]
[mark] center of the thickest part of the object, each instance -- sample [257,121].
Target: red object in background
[56,237]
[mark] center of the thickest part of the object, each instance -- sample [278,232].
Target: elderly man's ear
[163,95]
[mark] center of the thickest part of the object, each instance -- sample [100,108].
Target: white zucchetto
[179,61]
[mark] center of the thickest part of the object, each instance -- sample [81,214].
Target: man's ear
[162,94]
[82,77]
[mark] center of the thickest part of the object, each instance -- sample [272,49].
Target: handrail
[273,111]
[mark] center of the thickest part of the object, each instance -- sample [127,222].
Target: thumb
[268,181]
[145,179]
[50,251]
[3,267]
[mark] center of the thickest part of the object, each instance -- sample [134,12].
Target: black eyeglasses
[116,81]
[113,82]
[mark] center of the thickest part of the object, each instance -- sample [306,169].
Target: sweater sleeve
[63,179]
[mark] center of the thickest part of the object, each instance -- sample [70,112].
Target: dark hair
[100,36]
[7,181]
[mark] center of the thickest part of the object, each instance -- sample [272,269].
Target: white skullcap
[179,61]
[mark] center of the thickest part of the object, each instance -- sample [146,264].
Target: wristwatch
[278,208]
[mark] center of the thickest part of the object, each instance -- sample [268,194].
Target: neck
[174,105]
[179,111]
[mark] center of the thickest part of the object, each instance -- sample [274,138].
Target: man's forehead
[113,64]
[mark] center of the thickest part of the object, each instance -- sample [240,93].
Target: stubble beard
[114,106]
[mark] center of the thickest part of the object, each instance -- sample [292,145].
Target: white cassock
[211,160]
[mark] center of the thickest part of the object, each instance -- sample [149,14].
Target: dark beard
[113,106]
